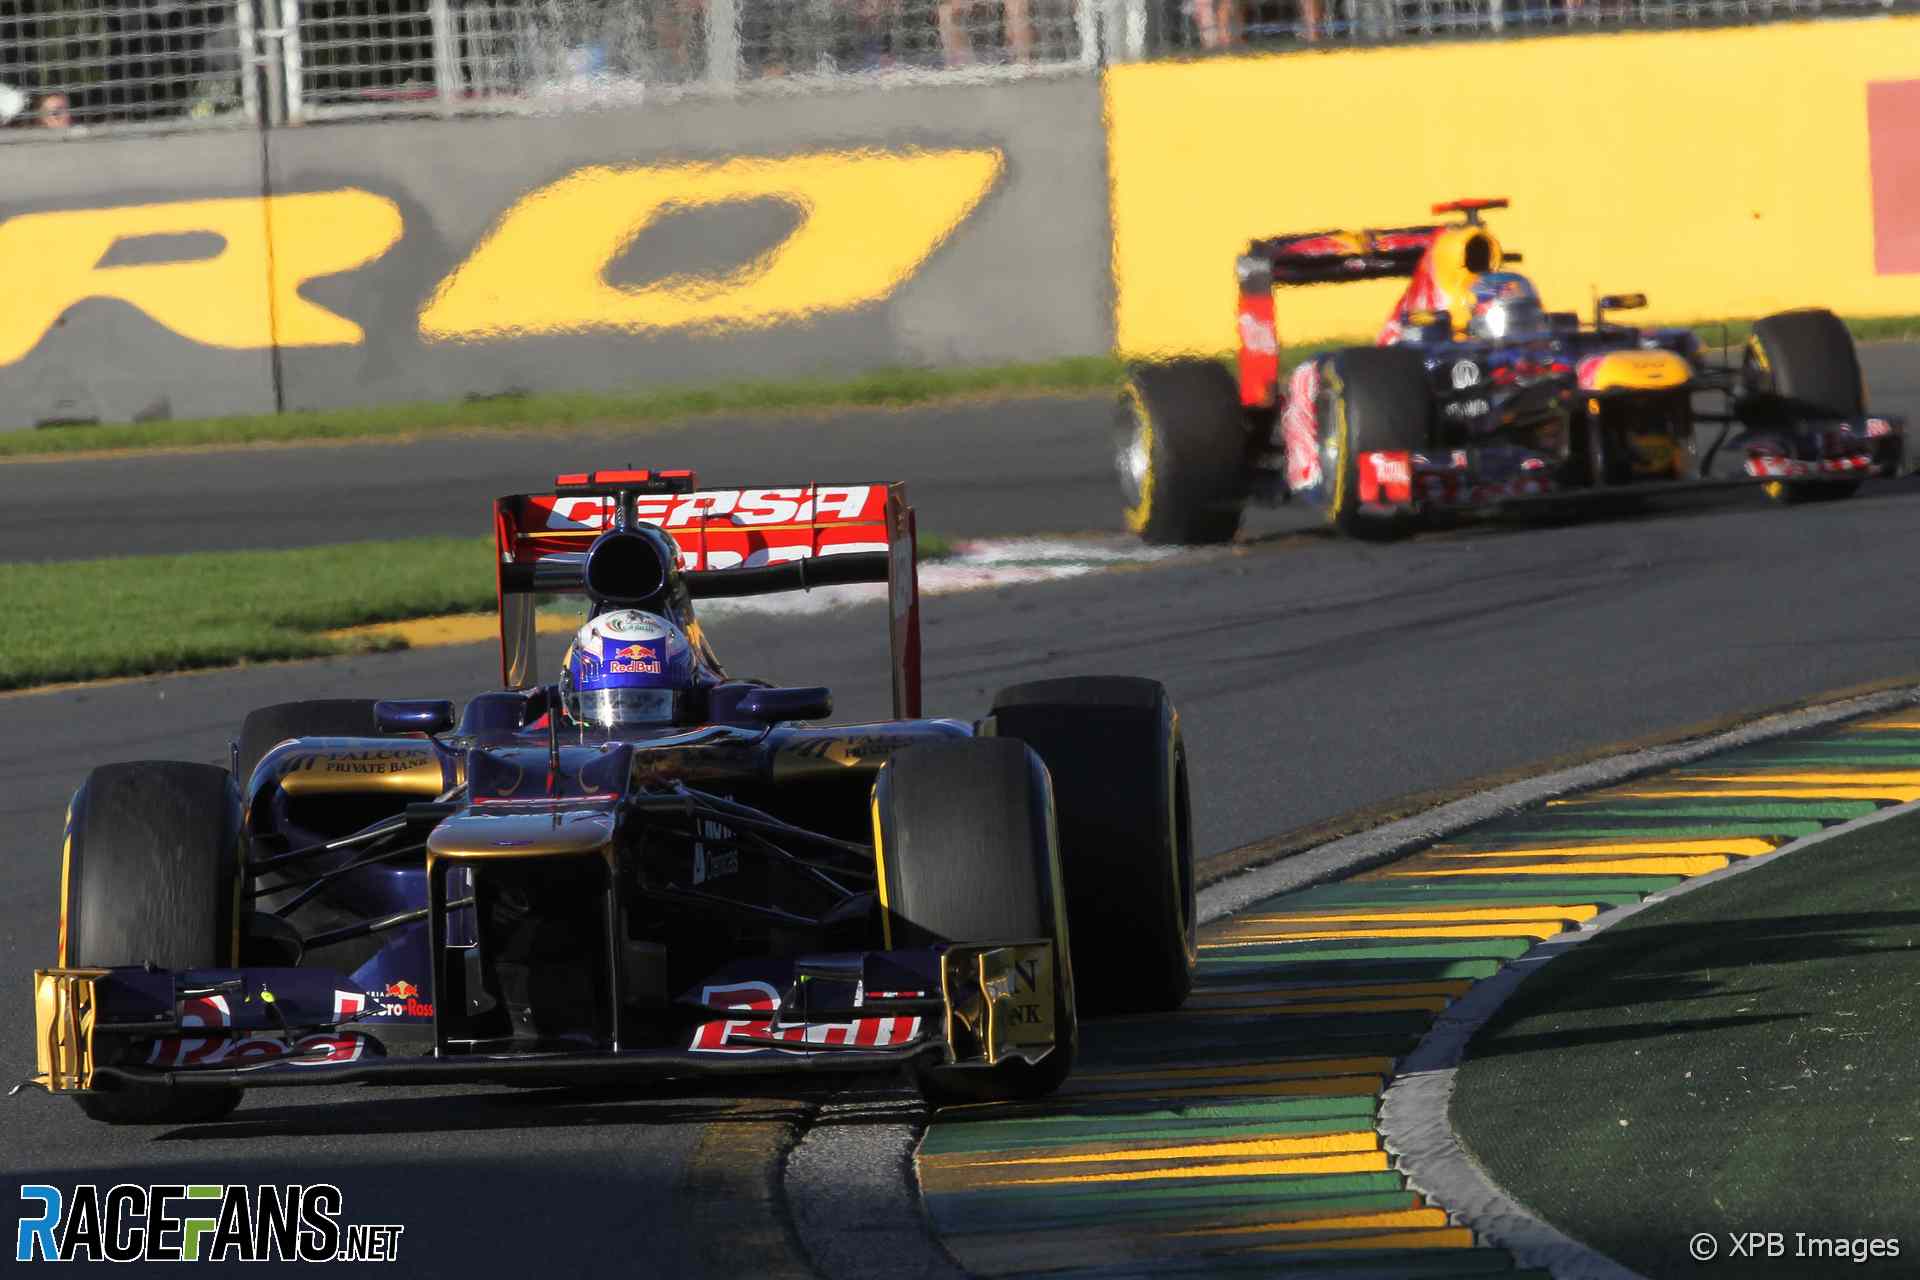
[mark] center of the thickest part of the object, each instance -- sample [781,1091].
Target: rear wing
[1330,257]
[732,542]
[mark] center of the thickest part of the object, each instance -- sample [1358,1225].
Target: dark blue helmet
[627,667]
[1505,306]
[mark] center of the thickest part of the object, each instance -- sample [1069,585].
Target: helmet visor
[621,708]
[1512,318]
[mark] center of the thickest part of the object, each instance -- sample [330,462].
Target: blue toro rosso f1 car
[646,869]
[1476,398]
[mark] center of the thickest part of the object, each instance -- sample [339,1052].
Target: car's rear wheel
[1373,400]
[268,727]
[1182,452]
[1113,748]
[151,876]
[966,852]
[1801,365]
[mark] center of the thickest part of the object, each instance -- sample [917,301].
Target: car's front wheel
[1800,366]
[966,852]
[1113,748]
[1373,400]
[151,876]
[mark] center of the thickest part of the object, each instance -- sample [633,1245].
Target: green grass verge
[141,615]
[886,388]
[1738,1059]
[87,619]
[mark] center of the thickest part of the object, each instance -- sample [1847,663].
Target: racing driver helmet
[628,668]
[1505,306]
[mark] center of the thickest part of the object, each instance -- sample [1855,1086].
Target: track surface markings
[1237,1136]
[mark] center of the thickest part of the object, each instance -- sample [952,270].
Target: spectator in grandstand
[55,112]
[1217,22]
[13,105]
[956,40]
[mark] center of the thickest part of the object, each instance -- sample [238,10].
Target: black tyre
[1801,365]
[964,839]
[152,876]
[1182,453]
[1371,399]
[268,727]
[1112,746]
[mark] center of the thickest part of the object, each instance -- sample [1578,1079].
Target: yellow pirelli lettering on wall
[868,219]
[212,279]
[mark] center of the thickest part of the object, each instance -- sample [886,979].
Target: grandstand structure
[88,67]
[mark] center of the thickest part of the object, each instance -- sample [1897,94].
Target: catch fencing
[86,66]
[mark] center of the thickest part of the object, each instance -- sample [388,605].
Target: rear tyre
[1373,399]
[964,838]
[1112,746]
[152,876]
[1182,452]
[1802,365]
[268,727]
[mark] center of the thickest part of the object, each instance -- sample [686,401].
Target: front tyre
[1113,748]
[1801,366]
[1182,452]
[966,852]
[151,875]
[1373,400]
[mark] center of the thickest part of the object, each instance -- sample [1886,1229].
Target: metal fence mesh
[94,64]
[108,62]
[360,54]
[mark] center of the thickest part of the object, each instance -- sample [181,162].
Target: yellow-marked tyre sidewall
[1339,514]
[1140,514]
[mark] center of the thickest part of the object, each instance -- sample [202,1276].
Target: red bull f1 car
[1477,398]
[386,892]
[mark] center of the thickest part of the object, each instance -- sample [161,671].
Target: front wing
[967,1006]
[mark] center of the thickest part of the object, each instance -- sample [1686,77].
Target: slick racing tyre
[1372,399]
[965,847]
[151,875]
[1802,365]
[1113,748]
[268,727]
[1182,452]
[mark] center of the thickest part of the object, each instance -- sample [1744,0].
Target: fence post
[1133,25]
[723,43]
[251,61]
[446,55]
[290,78]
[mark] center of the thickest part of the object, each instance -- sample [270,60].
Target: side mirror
[768,705]
[1618,302]
[413,715]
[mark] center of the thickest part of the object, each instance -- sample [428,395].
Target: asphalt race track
[1314,677]
[973,468]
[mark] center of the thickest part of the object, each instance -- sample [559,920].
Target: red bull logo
[402,999]
[635,659]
